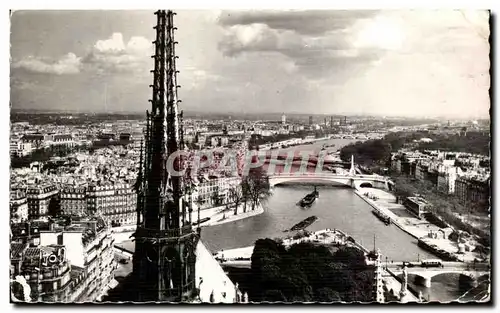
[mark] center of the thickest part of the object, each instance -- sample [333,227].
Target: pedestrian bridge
[353,181]
[469,272]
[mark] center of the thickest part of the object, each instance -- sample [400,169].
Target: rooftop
[418,200]
[16,249]
[213,278]
[89,226]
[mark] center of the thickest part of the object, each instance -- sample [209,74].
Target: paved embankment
[221,216]
[384,202]
[325,236]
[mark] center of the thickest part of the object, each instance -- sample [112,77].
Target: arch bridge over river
[468,272]
[354,181]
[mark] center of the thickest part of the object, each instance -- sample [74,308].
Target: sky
[405,63]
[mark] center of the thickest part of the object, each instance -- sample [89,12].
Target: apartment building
[62,140]
[89,249]
[18,206]
[208,187]
[116,203]
[447,175]
[19,148]
[473,189]
[406,163]
[422,170]
[74,200]
[72,263]
[219,141]
[28,232]
[36,140]
[45,269]
[39,199]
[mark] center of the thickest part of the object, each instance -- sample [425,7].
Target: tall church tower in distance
[165,241]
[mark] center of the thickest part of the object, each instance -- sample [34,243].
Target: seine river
[339,208]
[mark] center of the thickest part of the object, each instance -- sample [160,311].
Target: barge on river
[309,199]
[304,223]
[381,216]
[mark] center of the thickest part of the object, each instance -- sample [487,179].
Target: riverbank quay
[334,237]
[221,215]
[218,215]
[241,258]
[429,236]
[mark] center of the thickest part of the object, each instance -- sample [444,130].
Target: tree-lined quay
[431,166]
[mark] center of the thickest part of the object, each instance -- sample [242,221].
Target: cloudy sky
[415,63]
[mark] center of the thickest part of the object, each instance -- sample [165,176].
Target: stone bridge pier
[379,184]
[468,280]
[423,281]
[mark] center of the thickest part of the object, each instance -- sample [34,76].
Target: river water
[339,208]
[444,287]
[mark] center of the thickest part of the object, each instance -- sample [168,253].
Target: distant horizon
[240,114]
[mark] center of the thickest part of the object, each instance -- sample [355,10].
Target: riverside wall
[441,250]
[386,212]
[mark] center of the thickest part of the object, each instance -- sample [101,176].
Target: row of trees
[307,272]
[378,152]
[253,190]
[471,142]
[44,154]
[368,153]
[442,204]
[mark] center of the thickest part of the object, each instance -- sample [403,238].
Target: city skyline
[160,207]
[318,59]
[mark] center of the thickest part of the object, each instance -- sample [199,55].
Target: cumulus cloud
[288,32]
[69,64]
[114,55]
[113,44]
[379,33]
[313,22]
[384,62]
[440,66]
[319,43]
[335,54]
[106,56]
[259,37]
